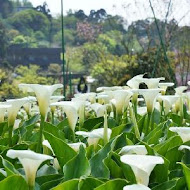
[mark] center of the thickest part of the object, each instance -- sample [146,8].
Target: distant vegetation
[98,44]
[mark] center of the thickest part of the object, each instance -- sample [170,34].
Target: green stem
[73,136]
[52,117]
[30,187]
[10,135]
[39,145]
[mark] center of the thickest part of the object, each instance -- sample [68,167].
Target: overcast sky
[130,9]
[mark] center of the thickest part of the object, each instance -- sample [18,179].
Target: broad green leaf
[118,130]
[78,166]
[31,121]
[63,124]
[89,183]
[46,170]
[186,171]
[3,127]
[113,185]
[91,123]
[50,184]
[177,119]
[48,127]
[62,151]
[169,185]
[98,168]
[68,185]
[9,168]
[46,178]
[14,182]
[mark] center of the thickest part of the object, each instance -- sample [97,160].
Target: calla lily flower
[182,147]
[183,132]
[150,96]
[99,109]
[135,81]
[141,110]
[71,112]
[142,166]
[134,149]
[30,162]
[16,104]
[164,86]
[43,95]
[54,99]
[76,146]
[136,187]
[179,90]
[121,100]
[112,88]
[152,82]
[27,106]
[103,98]
[168,101]
[91,97]
[95,135]
[3,109]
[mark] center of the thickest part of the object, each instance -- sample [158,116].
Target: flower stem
[10,135]
[39,145]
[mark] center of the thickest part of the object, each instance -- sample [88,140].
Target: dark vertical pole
[63,51]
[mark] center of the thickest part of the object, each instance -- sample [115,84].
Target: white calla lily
[103,98]
[182,147]
[95,135]
[136,187]
[3,109]
[76,146]
[141,110]
[71,112]
[121,100]
[164,86]
[150,96]
[142,166]
[43,95]
[105,88]
[180,89]
[54,99]
[134,149]
[16,104]
[28,105]
[183,132]
[135,81]
[168,101]
[30,162]
[99,109]
[91,97]
[152,82]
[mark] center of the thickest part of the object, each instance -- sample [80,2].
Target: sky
[130,9]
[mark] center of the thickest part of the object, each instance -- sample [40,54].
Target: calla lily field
[117,138]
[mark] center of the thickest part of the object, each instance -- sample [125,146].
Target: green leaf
[113,185]
[9,168]
[186,171]
[169,185]
[68,185]
[98,168]
[91,123]
[31,121]
[3,127]
[177,119]
[89,183]
[46,178]
[78,166]
[63,152]
[118,130]
[48,127]
[14,182]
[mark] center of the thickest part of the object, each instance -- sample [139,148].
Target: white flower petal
[136,187]
[134,149]
[183,132]
[76,146]
[182,147]
[142,166]
[150,96]
[179,90]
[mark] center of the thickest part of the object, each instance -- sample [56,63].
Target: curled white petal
[136,187]
[76,146]
[182,147]
[142,166]
[134,149]
[183,132]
